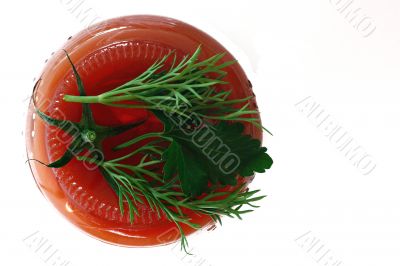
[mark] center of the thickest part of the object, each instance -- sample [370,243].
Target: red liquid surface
[106,56]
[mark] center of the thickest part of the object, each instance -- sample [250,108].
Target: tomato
[107,55]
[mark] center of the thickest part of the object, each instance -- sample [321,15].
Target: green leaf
[182,160]
[113,131]
[62,124]
[74,148]
[87,116]
[207,153]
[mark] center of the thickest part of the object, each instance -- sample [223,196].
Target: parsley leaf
[201,154]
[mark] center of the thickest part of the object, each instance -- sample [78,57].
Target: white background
[291,50]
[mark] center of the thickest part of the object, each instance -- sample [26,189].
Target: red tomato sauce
[106,56]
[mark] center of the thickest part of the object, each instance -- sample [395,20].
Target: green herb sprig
[189,179]
[133,187]
[189,82]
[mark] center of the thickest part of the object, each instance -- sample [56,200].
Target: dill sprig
[163,178]
[189,83]
[164,196]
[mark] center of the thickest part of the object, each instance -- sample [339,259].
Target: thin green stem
[81,99]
